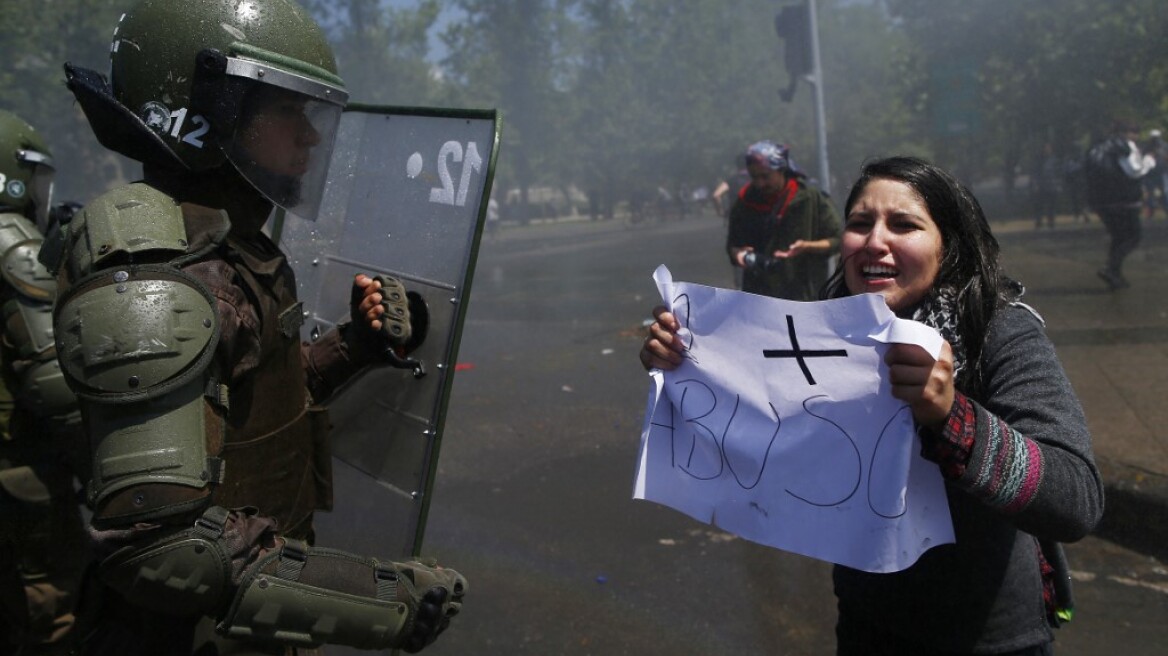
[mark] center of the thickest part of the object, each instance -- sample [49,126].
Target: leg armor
[230,565]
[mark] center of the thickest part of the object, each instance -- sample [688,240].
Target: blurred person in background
[1155,194]
[1073,181]
[1113,177]
[1045,186]
[727,189]
[43,454]
[723,198]
[782,231]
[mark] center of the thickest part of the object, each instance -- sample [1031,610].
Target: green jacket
[754,222]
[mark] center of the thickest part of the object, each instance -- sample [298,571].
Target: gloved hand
[433,595]
[753,260]
[388,321]
[380,305]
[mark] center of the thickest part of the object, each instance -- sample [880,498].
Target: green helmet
[26,169]
[253,82]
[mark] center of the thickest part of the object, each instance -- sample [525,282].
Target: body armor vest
[272,439]
[182,412]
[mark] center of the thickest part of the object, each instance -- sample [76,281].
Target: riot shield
[406,197]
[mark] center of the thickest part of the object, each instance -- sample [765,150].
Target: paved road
[533,497]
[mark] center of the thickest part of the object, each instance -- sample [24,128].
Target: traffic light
[793,26]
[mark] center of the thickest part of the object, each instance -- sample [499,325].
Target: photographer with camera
[782,230]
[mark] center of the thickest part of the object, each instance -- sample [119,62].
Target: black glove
[434,595]
[395,311]
[404,323]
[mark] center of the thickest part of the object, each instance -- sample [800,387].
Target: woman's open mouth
[878,272]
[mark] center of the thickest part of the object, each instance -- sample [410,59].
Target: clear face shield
[284,134]
[40,185]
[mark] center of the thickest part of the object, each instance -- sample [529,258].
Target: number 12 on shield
[471,162]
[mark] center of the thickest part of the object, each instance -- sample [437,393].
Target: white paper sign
[780,427]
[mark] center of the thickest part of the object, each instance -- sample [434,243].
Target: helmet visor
[282,144]
[40,184]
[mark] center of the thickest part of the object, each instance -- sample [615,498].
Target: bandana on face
[776,157]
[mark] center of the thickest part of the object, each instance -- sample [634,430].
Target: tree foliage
[1054,71]
[382,50]
[616,97]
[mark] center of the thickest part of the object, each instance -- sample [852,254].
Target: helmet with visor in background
[26,170]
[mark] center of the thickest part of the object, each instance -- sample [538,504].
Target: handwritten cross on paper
[801,355]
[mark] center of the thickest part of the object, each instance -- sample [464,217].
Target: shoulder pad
[19,245]
[129,220]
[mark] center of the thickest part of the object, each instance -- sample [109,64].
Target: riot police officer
[42,452]
[178,328]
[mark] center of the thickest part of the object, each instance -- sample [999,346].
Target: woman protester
[995,411]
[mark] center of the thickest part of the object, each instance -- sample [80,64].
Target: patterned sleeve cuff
[953,446]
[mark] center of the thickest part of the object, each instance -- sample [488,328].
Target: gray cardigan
[1031,474]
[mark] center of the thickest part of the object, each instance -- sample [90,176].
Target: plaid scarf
[939,311]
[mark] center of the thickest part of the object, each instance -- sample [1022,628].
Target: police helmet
[252,82]
[26,169]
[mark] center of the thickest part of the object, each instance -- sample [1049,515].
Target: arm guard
[31,363]
[20,243]
[291,593]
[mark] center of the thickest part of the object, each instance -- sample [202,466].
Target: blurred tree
[507,54]
[1042,71]
[869,82]
[383,51]
[674,91]
[619,96]
[605,75]
[708,80]
[667,93]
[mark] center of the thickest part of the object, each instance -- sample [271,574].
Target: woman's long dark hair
[970,265]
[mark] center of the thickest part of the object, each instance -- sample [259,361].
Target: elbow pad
[38,385]
[20,244]
[135,338]
[135,345]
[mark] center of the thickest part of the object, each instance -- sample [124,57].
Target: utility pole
[798,26]
[816,81]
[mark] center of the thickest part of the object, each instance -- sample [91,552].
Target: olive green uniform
[274,452]
[42,451]
[179,329]
[43,455]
